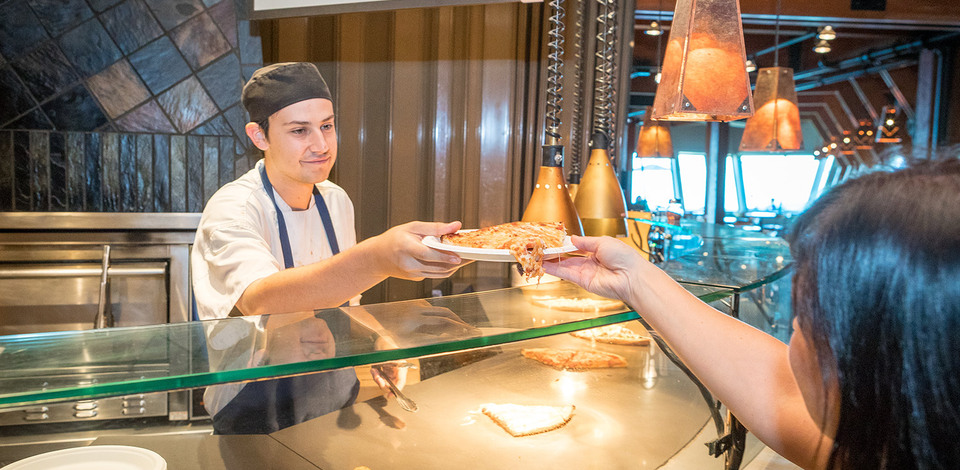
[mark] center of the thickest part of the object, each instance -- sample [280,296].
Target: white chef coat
[237,243]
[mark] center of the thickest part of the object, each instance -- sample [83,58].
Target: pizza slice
[525,420]
[574,359]
[525,241]
[613,334]
[500,237]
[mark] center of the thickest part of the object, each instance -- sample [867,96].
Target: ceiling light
[827,33]
[822,47]
[654,29]
[751,65]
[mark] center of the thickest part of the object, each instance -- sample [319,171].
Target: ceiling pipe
[840,100]
[863,99]
[871,58]
[782,45]
[811,84]
[897,94]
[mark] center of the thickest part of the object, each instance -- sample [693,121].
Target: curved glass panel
[120,361]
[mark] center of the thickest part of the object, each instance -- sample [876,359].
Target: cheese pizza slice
[613,334]
[574,359]
[525,240]
[524,420]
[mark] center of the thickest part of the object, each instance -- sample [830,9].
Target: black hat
[277,86]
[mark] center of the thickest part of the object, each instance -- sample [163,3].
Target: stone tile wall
[103,103]
[52,171]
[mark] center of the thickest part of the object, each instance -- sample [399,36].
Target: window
[652,181]
[693,181]
[779,183]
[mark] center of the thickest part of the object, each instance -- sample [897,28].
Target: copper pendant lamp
[551,201]
[654,139]
[775,126]
[704,66]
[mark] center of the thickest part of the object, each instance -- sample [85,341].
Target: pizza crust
[525,241]
[526,420]
[574,359]
[613,334]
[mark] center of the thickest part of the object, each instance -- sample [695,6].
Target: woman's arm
[746,369]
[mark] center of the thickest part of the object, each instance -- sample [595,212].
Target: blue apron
[270,405]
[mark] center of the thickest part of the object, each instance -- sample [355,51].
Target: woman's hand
[609,269]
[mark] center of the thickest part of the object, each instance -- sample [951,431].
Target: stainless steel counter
[618,423]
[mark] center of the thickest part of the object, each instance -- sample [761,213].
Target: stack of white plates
[93,458]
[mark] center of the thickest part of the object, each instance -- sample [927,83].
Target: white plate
[490,254]
[93,457]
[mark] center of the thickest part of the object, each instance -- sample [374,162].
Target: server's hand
[403,255]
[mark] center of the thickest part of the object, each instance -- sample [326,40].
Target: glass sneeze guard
[124,361]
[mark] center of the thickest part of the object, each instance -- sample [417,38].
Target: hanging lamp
[775,126]
[889,130]
[654,139]
[550,201]
[600,201]
[704,66]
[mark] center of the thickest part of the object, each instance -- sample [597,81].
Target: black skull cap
[277,86]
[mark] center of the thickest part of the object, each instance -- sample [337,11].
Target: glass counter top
[728,257]
[59,366]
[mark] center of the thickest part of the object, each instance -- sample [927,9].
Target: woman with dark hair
[871,377]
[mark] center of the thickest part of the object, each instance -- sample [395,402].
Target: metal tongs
[404,401]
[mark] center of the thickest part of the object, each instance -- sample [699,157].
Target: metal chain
[555,72]
[604,68]
[577,118]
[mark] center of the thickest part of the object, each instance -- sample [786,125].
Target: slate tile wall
[53,171]
[122,105]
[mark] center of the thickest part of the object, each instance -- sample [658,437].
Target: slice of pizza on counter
[526,420]
[613,334]
[574,359]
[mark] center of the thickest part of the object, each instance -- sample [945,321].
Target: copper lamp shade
[654,139]
[775,125]
[704,65]
[600,201]
[889,130]
[551,201]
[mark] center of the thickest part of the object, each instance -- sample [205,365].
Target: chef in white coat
[281,239]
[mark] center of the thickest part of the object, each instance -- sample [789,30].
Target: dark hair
[265,126]
[877,291]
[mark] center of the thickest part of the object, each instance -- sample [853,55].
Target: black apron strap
[282,225]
